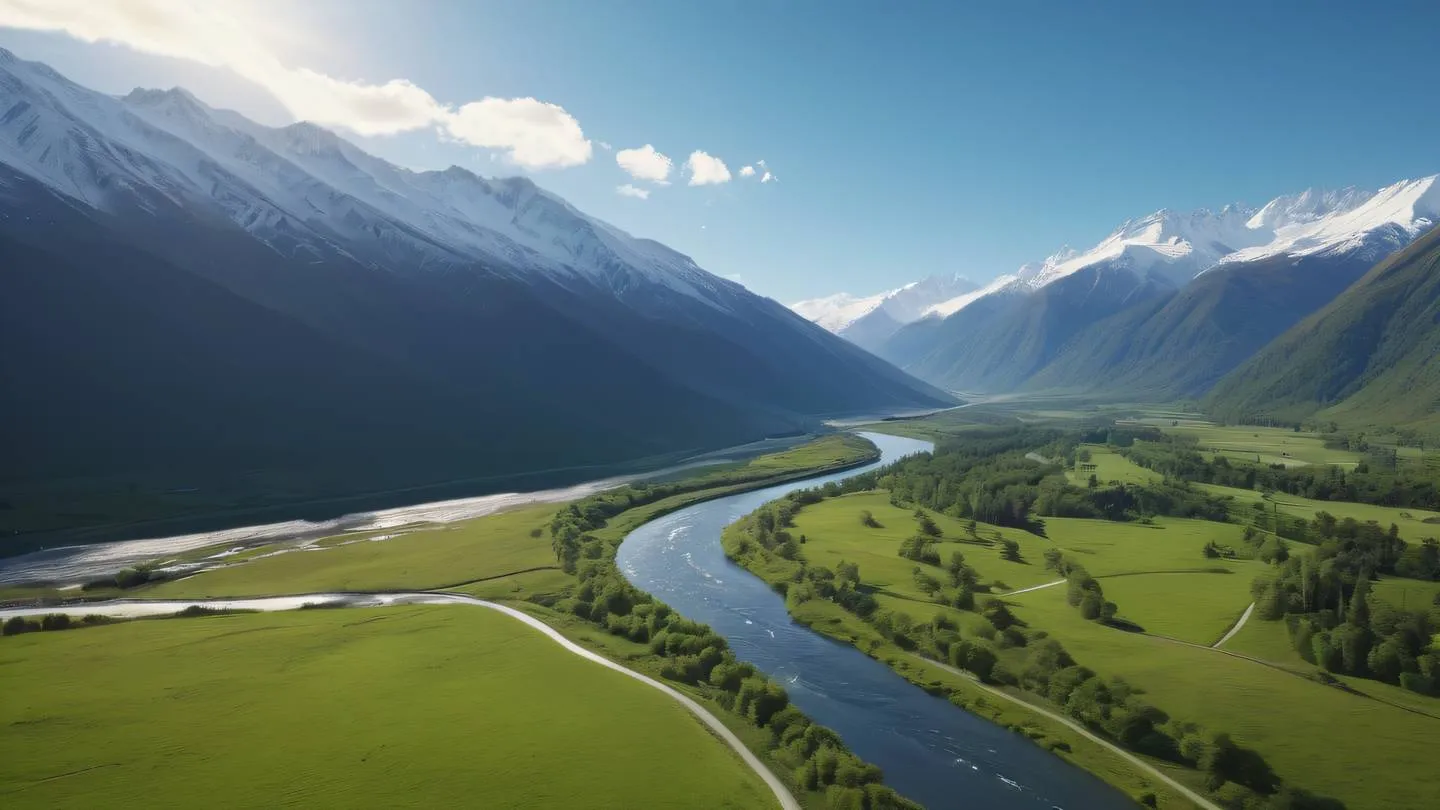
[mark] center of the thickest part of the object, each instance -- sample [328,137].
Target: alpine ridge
[1166,304]
[190,294]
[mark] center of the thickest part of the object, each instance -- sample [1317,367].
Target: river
[931,751]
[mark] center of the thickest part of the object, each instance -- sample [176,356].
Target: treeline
[1334,621]
[1110,707]
[16,625]
[693,654]
[1081,590]
[1379,479]
[992,476]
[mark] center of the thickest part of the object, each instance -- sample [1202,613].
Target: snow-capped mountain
[1044,306]
[1315,223]
[902,304]
[186,288]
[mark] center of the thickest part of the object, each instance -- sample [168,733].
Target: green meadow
[432,557]
[1160,581]
[431,706]
[1356,749]
[1111,466]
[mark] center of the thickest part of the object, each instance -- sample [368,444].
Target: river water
[931,751]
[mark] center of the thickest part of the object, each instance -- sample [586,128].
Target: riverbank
[552,594]
[1016,713]
[930,750]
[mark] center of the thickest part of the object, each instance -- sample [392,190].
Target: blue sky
[907,139]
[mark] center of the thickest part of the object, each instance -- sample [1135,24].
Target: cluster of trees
[992,476]
[1335,622]
[1380,479]
[16,625]
[1081,590]
[692,653]
[1109,707]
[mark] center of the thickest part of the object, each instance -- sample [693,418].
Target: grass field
[1272,445]
[1111,466]
[1155,573]
[425,706]
[1411,522]
[1362,752]
[1160,580]
[431,558]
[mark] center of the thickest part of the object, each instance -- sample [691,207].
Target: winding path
[782,793]
[1035,588]
[1244,617]
[1200,801]
[135,607]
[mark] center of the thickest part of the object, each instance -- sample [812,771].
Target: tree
[867,519]
[1053,557]
[1010,550]
[1388,659]
[55,621]
[960,573]
[1354,642]
[925,583]
[998,614]
[1359,613]
[1091,606]
[15,626]
[981,660]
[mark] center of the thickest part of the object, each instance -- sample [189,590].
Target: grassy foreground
[510,556]
[382,707]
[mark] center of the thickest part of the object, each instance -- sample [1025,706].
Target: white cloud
[530,133]
[603,145]
[533,133]
[644,163]
[747,171]
[770,178]
[628,190]
[762,164]
[706,170]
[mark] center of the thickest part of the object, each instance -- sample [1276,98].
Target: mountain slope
[188,292]
[1167,304]
[1370,357]
[1179,345]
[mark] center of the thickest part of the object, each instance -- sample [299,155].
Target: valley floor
[1178,605]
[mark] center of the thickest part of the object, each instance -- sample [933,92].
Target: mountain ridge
[521,333]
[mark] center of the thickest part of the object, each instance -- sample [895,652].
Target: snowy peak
[901,305]
[1167,244]
[1307,206]
[838,311]
[1377,223]
[302,187]
[1174,247]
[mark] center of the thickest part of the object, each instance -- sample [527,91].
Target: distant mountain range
[868,322]
[189,293]
[1166,305]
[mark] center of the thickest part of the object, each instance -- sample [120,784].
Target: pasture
[433,706]
[425,558]
[1363,752]
[1160,581]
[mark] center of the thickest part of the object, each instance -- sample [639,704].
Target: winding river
[931,751]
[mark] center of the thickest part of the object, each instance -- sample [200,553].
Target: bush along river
[931,751]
